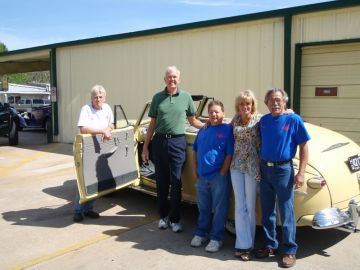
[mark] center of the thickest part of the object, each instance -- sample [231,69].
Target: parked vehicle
[9,123]
[26,105]
[38,117]
[329,199]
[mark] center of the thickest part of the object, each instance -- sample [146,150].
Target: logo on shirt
[220,136]
[286,128]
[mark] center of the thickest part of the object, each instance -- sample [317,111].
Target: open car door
[106,166]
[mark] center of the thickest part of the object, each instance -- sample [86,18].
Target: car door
[106,166]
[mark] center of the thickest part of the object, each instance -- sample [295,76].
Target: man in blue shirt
[213,150]
[281,134]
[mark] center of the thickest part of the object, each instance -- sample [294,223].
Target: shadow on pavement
[149,237]
[139,211]
[137,207]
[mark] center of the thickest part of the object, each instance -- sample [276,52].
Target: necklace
[244,124]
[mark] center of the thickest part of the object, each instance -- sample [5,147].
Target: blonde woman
[245,171]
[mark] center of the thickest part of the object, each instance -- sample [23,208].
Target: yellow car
[329,199]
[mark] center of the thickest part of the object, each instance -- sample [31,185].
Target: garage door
[330,88]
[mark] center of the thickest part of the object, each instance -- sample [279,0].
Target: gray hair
[274,90]
[172,68]
[216,103]
[98,89]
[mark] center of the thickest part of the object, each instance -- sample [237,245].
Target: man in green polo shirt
[168,112]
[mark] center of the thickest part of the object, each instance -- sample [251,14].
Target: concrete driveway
[37,187]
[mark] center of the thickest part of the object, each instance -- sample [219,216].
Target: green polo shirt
[171,111]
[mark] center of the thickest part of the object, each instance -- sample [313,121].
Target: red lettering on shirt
[220,136]
[286,128]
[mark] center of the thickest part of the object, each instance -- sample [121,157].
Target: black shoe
[265,252]
[91,214]
[78,217]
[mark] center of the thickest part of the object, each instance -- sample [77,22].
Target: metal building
[311,51]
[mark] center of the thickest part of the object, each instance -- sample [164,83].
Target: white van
[25,105]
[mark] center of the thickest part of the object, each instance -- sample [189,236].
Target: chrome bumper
[334,218]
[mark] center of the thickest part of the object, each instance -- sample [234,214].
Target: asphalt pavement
[37,189]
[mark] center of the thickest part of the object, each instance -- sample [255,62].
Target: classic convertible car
[329,199]
[37,117]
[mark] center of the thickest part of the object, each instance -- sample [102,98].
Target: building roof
[40,58]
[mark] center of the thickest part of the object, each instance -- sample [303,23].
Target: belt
[169,136]
[275,163]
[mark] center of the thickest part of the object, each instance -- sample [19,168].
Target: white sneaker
[163,223]
[197,241]
[213,246]
[175,227]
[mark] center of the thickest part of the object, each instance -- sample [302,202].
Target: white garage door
[330,88]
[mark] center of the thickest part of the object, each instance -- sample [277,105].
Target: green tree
[30,77]
[19,78]
[3,47]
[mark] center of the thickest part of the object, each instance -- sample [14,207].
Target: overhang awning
[19,62]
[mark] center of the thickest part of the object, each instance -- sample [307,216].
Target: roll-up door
[330,87]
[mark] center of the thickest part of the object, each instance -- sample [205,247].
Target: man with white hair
[95,117]
[168,113]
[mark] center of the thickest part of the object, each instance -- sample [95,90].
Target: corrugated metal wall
[326,25]
[330,25]
[216,61]
[331,66]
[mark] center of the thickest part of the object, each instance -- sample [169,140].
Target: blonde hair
[246,95]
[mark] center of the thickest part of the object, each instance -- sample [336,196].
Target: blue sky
[30,23]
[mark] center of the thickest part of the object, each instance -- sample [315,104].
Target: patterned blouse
[246,148]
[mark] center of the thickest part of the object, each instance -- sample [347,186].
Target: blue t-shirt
[280,136]
[212,145]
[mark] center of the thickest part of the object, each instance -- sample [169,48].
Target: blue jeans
[83,207]
[212,198]
[245,188]
[277,186]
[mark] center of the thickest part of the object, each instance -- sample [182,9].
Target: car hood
[329,152]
